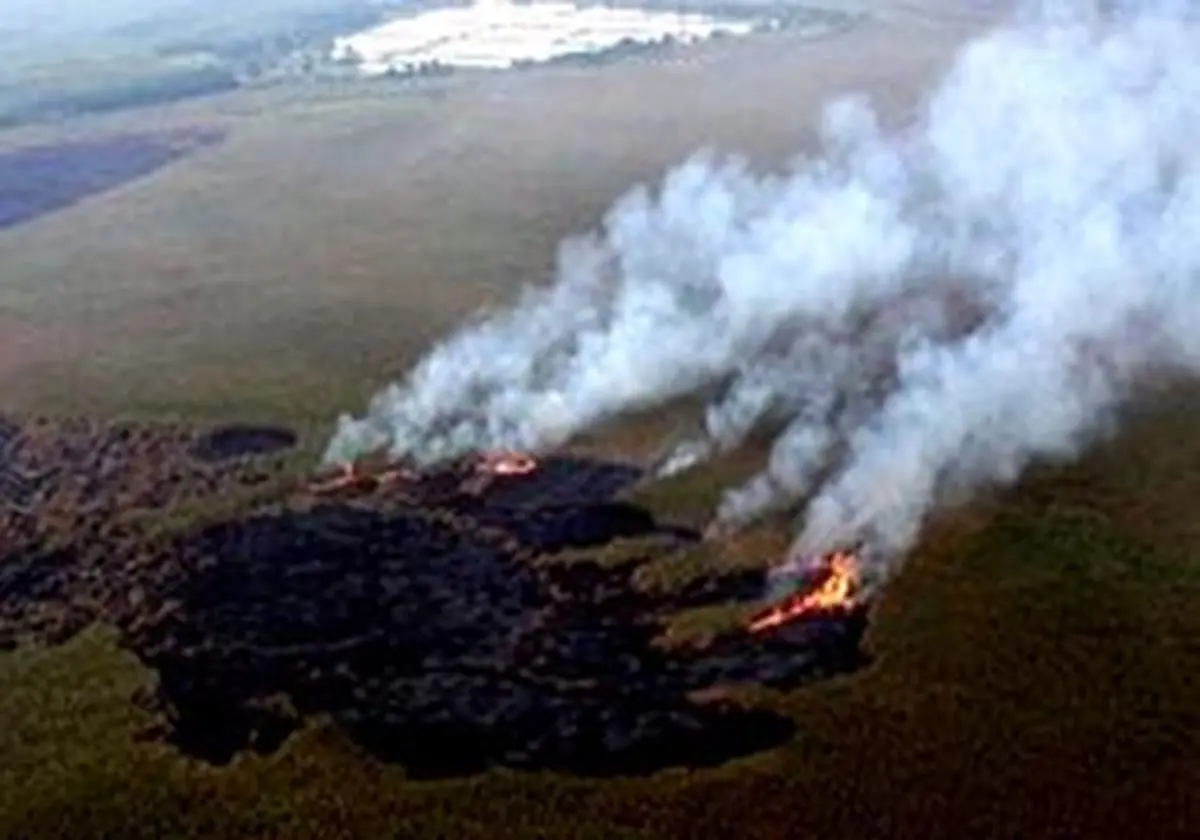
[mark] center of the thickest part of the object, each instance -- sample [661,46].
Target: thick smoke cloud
[918,314]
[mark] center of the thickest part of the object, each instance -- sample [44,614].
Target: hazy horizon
[68,18]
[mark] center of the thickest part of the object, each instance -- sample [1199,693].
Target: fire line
[351,476]
[837,592]
[507,463]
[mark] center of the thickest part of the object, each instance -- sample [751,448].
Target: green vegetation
[87,61]
[153,86]
[1035,677]
[1036,659]
[83,61]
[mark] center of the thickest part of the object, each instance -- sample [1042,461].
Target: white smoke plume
[825,386]
[1071,147]
[679,290]
[923,313]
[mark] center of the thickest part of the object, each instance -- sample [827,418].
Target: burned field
[72,546]
[433,618]
[37,180]
[239,441]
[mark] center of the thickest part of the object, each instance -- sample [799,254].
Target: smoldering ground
[1049,189]
[444,625]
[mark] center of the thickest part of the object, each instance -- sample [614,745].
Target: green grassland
[1036,661]
[78,59]
[1035,676]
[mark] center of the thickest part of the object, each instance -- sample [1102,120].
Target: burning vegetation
[507,463]
[495,466]
[430,618]
[356,476]
[362,476]
[835,592]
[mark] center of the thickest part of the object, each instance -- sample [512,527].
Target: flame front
[396,472]
[507,463]
[352,475]
[836,593]
[346,476]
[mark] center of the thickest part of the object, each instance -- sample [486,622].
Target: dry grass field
[336,232]
[1036,663]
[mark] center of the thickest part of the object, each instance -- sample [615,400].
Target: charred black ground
[239,441]
[428,618]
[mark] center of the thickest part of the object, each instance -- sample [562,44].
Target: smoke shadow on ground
[38,180]
[433,642]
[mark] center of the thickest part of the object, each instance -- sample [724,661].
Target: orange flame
[836,593]
[394,474]
[346,476]
[352,476]
[507,463]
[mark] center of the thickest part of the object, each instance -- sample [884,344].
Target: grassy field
[1037,661]
[71,58]
[1035,677]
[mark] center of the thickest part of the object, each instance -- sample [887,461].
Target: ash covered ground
[435,620]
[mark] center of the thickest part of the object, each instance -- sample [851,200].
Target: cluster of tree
[160,63]
[140,91]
